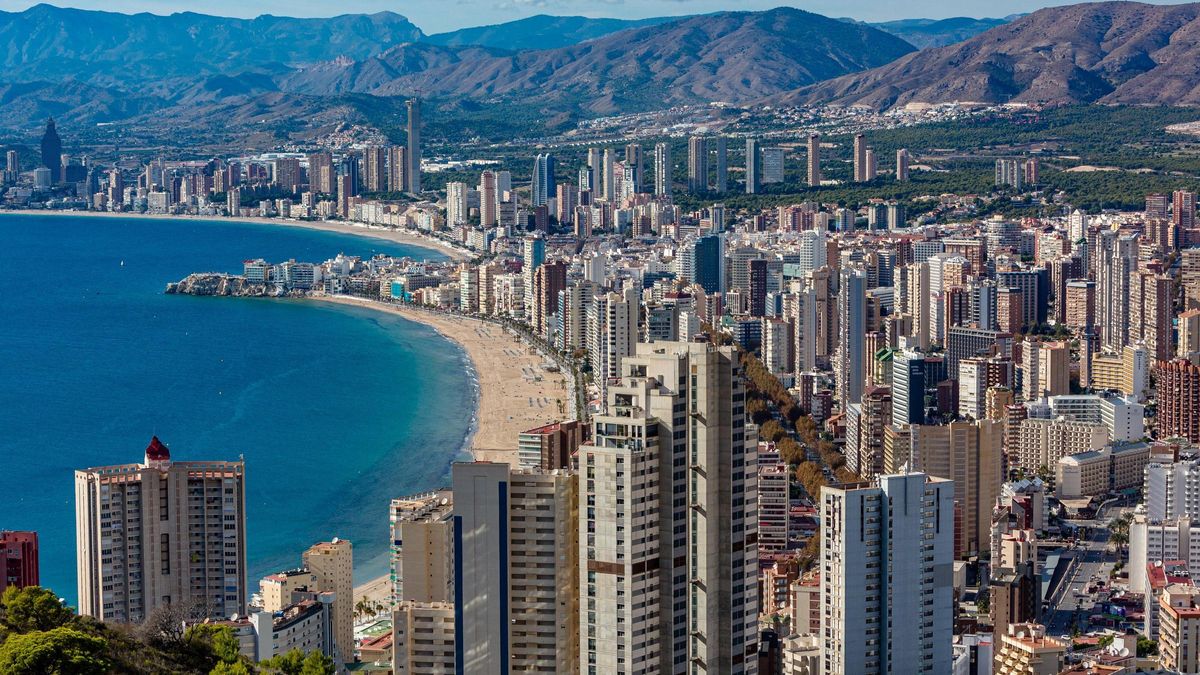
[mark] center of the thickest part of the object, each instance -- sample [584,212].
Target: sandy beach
[356,229]
[515,393]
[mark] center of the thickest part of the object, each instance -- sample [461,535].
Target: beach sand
[356,229]
[515,393]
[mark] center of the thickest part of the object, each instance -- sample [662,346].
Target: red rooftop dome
[156,451]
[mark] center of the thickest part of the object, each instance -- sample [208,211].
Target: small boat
[122,263]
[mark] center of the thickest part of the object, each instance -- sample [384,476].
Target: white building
[774,477]
[1152,540]
[1122,416]
[516,576]
[1171,489]
[900,529]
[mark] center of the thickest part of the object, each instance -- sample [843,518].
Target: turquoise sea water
[336,410]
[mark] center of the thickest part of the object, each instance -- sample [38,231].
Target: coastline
[340,227]
[510,397]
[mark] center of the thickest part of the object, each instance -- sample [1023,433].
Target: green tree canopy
[62,651]
[32,608]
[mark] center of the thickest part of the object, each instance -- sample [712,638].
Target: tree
[771,431]
[296,663]
[237,668]
[32,608]
[62,650]
[219,640]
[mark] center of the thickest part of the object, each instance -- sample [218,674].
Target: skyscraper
[634,163]
[18,559]
[773,160]
[533,255]
[333,564]
[852,327]
[860,158]
[161,533]
[1183,208]
[662,169]
[608,176]
[489,199]
[414,145]
[542,186]
[722,166]
[908,388]
[375,169]
[456,203]
[902,164]
[671,461]
[622,469]
[52,151]
[697,165]
[1178,399]
[886,582]
[321,175]
[1116,260]
[397,168]
[814,160]
[752,166]
[516,575]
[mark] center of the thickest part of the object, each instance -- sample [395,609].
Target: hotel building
[161,533]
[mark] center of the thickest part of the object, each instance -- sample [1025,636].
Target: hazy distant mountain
[1110,52]
[730,56]
[51,43]
[926,33]
[213,72]
[539,32]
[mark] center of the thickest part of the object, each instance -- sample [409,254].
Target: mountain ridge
[1103,52]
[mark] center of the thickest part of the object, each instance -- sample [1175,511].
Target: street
[1070,603]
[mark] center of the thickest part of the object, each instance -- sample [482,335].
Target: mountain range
[91,67]
[215,73]
[728,56]
[1105,52]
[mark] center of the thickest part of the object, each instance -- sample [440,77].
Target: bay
[335,410]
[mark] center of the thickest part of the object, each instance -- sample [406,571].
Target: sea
[335,410]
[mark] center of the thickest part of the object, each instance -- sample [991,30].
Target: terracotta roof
[156,451]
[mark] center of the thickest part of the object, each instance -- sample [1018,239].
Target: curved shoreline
[499,363]
[339,227]
[509,394]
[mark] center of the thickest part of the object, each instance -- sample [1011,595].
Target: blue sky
[435,16]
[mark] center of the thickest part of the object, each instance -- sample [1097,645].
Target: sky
[434,16]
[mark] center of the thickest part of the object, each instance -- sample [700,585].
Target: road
[1070,604]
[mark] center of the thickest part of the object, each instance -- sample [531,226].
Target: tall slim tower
[414,144]
[488,199]
[852,329]
[814,160]
[860,158]
[697,165]
[662,169]
[902,164]
[374,168]
[633,161]
[516,576]
[1116,261]
[886,585]
[608,178]
[333,564]
[52,151]
[397,168]
[722,182]
[137,547]
[543,187]
[682,398]
[752,166]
